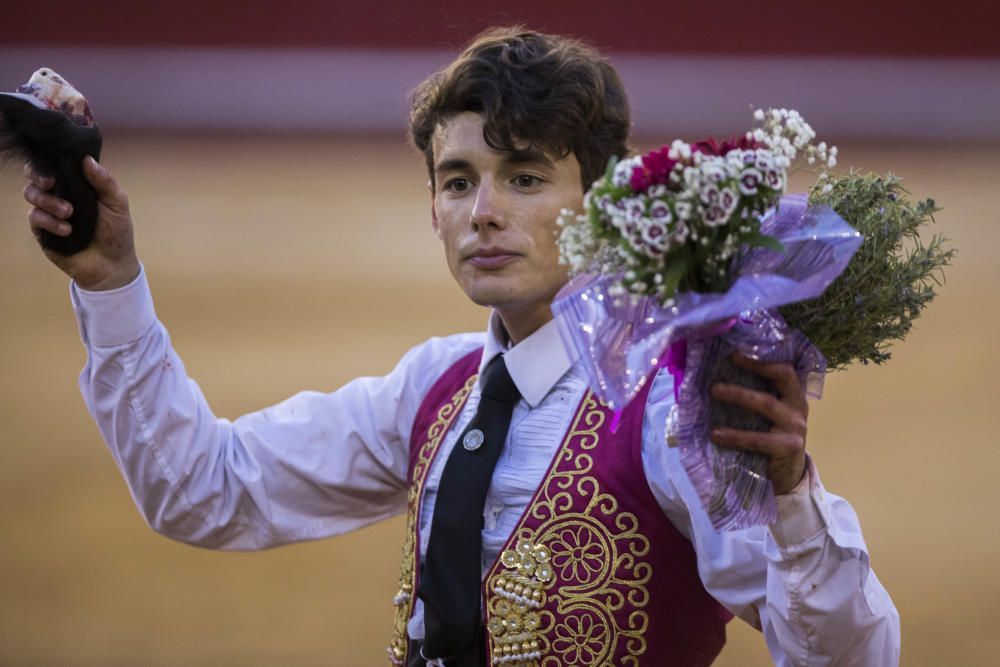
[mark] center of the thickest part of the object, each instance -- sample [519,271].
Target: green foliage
[890,280]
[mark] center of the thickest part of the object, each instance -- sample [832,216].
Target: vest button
[473,440]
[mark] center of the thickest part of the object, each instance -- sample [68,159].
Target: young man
[535,534]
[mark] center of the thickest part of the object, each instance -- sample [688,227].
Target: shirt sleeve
[315,465]
[805,581]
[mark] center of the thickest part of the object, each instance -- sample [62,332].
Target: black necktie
[452,572]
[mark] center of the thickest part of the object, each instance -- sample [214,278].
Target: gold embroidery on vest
[590,570]
[407,569]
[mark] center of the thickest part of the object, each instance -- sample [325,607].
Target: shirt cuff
[114,317]
[800,516]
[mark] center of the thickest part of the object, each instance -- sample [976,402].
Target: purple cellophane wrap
[623,340]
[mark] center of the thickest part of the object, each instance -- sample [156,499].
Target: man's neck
[519,323]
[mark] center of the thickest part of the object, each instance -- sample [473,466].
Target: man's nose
[488,209]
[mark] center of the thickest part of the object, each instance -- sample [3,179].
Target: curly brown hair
[555,93]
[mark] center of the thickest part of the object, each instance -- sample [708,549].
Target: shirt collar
[535,364]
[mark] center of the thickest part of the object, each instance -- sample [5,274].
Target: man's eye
[457,185]
[526,180]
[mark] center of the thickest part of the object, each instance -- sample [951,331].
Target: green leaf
[673,274]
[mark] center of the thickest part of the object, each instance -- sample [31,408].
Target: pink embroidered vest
[594,573]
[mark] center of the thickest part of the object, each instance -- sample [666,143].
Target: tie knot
[497,383]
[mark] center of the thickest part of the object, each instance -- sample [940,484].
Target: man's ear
[434,216]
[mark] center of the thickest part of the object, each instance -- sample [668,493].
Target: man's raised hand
[110,260]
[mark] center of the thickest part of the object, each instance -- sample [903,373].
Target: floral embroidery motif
[403,600]
[582,604]
[581,638]
[577,554]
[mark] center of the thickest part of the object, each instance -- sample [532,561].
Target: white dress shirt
[321,464]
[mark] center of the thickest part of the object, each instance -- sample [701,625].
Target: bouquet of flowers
[691,252]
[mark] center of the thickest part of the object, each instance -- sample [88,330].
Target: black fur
[54,146]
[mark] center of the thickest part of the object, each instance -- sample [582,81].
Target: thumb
[108,190]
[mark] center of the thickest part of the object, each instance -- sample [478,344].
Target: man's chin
[499,295]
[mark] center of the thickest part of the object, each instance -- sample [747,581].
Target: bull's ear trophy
[47,124]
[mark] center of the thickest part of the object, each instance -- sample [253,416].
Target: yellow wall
[284,264]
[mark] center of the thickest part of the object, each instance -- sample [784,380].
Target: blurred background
[285,229]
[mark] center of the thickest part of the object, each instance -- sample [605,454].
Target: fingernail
[67,210]
[65,229]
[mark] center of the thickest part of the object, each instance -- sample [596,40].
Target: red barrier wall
[852,27]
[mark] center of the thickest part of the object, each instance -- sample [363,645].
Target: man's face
[496,215]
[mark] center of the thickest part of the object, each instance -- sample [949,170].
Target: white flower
[710,194]
[758,115]
[692,176]
[713,170]
[763,159]
[654,233]
[660,211]
[635,208]
[749,181]
[679,232]
[729,200]
[679,150]
[622,175]
[683,209]
[775,179]
[715,216]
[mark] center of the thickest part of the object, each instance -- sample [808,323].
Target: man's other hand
[110,260]
[785,443]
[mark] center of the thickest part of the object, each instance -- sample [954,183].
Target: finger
[41,220]
[782,374]
[59,208]
[108,190]
[775,443]
[776,411]
[43,182]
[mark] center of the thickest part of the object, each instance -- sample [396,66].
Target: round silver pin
[473,440]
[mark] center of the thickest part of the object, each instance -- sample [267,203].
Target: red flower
[657,165]
[711,147]
[655,169]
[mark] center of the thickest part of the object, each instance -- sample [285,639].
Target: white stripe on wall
[366,90]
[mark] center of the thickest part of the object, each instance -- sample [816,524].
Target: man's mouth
[491,258]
